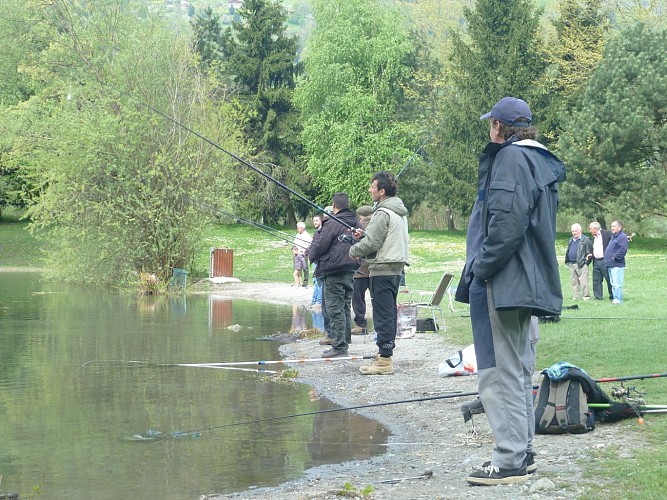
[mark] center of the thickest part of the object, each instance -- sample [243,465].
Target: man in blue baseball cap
[511,111]
[511,273]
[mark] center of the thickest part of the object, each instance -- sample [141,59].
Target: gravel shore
[427,436]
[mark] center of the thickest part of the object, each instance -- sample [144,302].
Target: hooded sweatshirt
[385,245]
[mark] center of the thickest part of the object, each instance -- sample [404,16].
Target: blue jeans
[616,276]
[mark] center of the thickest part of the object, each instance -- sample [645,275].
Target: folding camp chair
[431,300]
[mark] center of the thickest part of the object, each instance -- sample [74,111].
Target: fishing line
[419,149]
[268,229]
[244,162]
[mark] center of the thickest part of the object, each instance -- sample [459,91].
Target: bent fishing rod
[247,164]
[268,229]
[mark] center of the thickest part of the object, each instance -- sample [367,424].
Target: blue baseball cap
[510,109]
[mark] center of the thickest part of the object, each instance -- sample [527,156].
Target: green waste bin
[179,279]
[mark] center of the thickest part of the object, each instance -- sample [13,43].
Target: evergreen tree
[261,59]
[207,36]
[616,140]
[499,54]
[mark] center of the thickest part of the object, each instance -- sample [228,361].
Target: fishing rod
[632,377]
[607,317]
[268,229]
[258,363]
[634,407]
[230,364]
[197,432]
[156,365]
[419,149]
[247,164]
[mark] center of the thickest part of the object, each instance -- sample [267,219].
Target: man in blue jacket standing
[614,260]
[511,273]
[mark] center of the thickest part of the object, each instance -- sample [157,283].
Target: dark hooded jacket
[332,256]
[511,236]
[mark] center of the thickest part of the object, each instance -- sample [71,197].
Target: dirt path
[427,436]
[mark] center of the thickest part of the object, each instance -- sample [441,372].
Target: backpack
[561,406]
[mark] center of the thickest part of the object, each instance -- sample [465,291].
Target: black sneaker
[528,462]
[333,353]
[492,475]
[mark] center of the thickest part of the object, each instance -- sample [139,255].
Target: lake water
[82,394]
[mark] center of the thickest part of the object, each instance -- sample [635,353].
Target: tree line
[377,85]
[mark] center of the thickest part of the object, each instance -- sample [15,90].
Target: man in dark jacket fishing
[336,268]
[511,273]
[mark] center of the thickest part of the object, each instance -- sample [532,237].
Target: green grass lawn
[604,339]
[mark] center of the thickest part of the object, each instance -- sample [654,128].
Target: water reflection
[317,319]
[299,322]
[69,394]
[337,434]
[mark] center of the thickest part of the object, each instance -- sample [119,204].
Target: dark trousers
[384,290]
[359,301]
[337,298]
[600,273]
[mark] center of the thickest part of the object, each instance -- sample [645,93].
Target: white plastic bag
[462,362]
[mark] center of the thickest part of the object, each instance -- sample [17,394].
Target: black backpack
[562,407]
[561,403]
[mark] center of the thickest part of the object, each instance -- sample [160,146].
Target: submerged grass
[604,339]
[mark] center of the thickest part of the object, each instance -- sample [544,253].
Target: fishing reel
[629,394]
[347,238]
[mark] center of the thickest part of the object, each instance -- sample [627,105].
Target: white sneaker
[615,301]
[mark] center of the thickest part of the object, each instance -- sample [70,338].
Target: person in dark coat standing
[601,239]
[614,259]
[511,274]
[336,268]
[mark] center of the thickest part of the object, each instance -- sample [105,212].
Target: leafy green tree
[358,68]
[115,179]
[261,59]
[616,141]
[15,87]
[499,54]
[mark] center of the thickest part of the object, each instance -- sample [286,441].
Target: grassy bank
[604,339]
